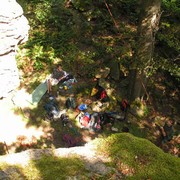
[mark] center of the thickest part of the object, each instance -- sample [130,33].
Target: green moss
[146,159]
[55,168]
[135,158]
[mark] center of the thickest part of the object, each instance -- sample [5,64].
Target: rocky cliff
[13,31]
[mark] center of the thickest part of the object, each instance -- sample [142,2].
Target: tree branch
[115,23]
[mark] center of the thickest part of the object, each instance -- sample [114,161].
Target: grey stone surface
[94,162]
[4,176]
[14,29]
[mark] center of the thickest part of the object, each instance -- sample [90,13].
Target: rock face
[93,162]
[13,31]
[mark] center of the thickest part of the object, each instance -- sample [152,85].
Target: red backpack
[104,96]
[84,120]
[124,104]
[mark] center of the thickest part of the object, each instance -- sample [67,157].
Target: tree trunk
[147,28]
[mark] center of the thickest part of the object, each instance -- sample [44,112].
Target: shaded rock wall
[13,31]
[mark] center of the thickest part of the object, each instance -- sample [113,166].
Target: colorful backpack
[95,122]
[124,105]
[106,118]
[64,119]
[84,120]
[82,107]
[104,97]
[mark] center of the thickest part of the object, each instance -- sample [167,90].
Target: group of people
[59,76]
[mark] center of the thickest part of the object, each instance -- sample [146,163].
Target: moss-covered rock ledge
[120,156]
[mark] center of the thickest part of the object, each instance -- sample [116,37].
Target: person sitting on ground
[57,76]
[167,131]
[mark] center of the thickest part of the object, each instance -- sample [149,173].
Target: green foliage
[48,167]
[130,8]
[140,108]
[82,89]
[168,45]
[52,167]
[82,5]
[42,12]
[57,33]
[84,38]
[86,63]
[84,34]
[172,9]
[49,35]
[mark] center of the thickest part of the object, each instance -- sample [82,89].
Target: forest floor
[27,128]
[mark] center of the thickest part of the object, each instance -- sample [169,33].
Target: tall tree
[148,26]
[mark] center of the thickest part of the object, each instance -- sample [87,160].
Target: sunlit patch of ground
[13,129]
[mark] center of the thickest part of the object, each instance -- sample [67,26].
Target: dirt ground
[24,128]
